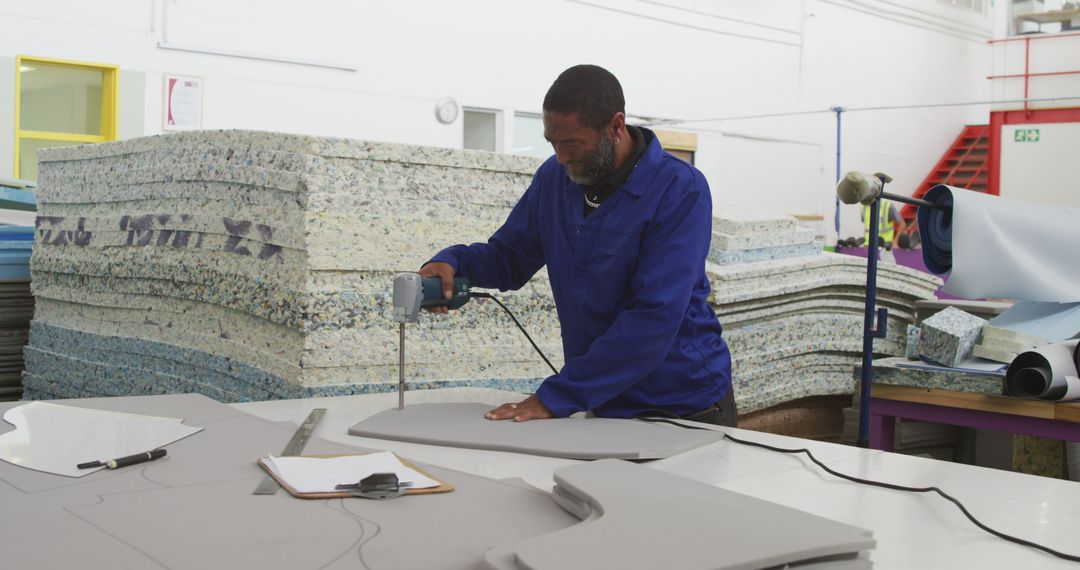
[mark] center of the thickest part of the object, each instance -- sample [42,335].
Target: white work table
[912,530]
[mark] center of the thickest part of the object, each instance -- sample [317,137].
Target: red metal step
[963,164]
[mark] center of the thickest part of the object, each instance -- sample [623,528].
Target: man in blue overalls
[623,228]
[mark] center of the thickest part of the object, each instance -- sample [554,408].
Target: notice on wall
[183,103]
[1026,135]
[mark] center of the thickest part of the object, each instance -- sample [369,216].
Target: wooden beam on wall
[677,140]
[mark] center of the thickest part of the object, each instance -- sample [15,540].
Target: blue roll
[935,230]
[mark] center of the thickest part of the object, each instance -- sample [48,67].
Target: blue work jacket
[629,285]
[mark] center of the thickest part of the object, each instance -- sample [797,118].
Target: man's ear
[617,124]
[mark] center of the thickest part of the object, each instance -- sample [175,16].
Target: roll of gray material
[997,247]
[1051,373]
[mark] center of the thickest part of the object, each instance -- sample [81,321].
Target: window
[973,5]
[529,136]
[60,103]
[1045,17]
[482,129]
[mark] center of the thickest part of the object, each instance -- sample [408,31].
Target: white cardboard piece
[55,438]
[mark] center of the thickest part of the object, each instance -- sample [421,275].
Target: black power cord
[482,295]
[893,486]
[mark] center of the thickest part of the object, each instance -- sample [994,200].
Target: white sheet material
[1011,249]
[1048,373]
[1052,322]
[971,365]
[56,438]
[322,474]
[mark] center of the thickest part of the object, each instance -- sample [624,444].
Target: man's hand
[445,272]
[530,408]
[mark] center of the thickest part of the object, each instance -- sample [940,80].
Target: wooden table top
[1068,411]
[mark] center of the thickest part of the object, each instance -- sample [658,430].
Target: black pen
[125,461]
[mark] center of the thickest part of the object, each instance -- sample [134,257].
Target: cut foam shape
[464,425]
[634,517]
[196,509]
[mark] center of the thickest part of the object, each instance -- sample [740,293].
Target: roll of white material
[997,247]
[1048,373]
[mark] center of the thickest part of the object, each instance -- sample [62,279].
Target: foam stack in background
[793,314]
[16,306]
[248,266]
[16,301]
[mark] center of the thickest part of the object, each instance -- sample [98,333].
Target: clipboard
[443,487]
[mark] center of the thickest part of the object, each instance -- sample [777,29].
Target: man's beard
[599,165]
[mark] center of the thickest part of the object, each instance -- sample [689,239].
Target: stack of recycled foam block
[16,302]
[247,265]
[792,314]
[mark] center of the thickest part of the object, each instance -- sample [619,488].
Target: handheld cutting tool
[411,293]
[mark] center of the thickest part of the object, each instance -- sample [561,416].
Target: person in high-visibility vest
[888,233]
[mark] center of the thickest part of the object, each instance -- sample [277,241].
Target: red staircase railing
[963,164]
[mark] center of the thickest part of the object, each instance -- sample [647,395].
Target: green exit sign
[1026,135]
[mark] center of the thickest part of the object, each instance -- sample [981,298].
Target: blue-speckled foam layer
[94,365]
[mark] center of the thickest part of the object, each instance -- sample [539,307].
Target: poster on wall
[183,103]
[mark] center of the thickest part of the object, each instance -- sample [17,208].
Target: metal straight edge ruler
[268,486]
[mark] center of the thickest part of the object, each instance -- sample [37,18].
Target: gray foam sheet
[639,518]
[450,530]
[464,425]
[195,508]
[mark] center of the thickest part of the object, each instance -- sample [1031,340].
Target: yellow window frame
[110,82]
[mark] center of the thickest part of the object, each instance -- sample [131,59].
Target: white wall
[7,116]
[7,139]
[677,59]
[1041,170]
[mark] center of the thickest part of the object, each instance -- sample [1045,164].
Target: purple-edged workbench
[960,399]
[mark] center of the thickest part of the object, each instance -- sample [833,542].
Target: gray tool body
[411,292]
